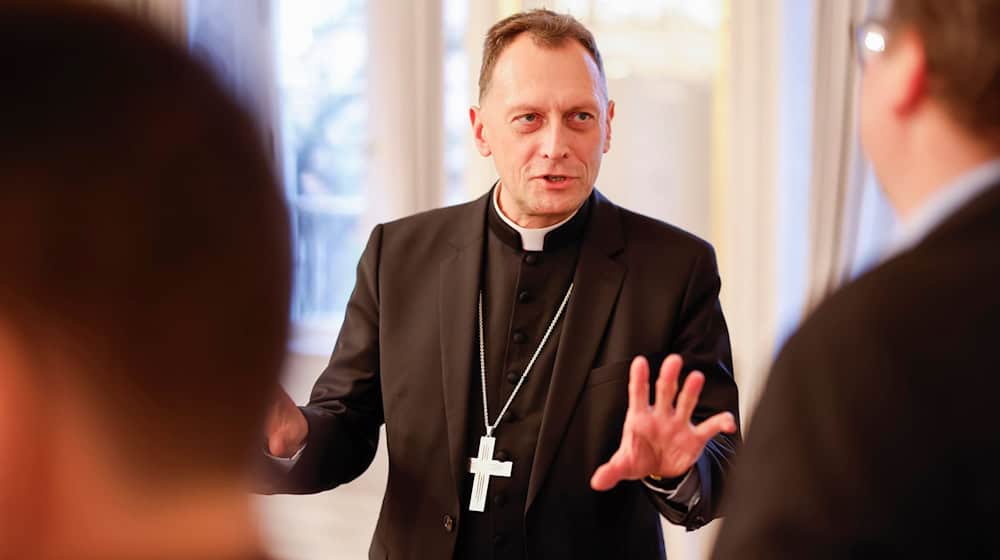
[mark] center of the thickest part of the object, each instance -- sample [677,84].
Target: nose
[555,145]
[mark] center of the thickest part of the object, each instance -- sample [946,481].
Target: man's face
[546,121]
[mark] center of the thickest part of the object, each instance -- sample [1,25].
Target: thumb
[608,475]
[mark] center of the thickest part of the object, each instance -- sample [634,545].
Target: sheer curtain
[843,198]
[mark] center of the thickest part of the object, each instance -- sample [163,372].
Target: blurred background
[735,120]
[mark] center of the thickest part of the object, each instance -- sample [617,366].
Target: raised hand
[286,427]
[660,439]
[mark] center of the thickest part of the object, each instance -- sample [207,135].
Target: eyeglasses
[871,38]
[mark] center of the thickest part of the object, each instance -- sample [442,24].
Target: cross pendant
[484,467]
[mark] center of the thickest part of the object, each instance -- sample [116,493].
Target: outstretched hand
[659,439]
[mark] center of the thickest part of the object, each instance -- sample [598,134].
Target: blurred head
[930,83]
[144,264]
[544,114]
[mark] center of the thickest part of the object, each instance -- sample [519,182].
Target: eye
[581,117]
[527,119]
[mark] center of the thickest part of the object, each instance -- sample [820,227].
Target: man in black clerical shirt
[144,291]
[495,341]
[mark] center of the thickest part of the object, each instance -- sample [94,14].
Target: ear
[478,134]
[907,60]
[607,125]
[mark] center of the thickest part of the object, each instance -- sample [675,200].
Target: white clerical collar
[532,239]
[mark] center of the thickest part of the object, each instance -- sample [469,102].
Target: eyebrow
[522,109]
[525,108]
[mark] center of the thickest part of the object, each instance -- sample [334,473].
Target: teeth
[556,178]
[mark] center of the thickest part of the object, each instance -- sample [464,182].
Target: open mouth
[556,178]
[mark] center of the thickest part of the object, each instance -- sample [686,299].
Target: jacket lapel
[457,298]
[597,282]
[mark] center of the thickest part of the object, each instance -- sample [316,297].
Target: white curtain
[838,169]
[406,89]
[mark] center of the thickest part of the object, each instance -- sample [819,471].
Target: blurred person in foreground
[144,289]
[495,341]
[875,437]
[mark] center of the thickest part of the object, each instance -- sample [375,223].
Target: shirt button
[449,523]
[513,377]
[524,296]
[519,337]
[531,258]
[500,500]
[503,455]
[499,540]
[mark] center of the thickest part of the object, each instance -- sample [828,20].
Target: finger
[609,474]
[666,385]
[638,384]
[688,398]
[723,422]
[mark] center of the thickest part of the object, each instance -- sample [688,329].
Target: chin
[560,204]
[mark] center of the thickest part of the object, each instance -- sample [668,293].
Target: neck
[524,219]
[936,158]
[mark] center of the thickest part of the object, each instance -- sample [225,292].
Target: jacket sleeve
[702,340]
[345,409]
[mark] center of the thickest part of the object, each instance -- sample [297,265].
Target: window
[325,92]
[321,78]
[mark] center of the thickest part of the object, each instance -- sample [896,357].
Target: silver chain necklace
[484,466]
[482,362]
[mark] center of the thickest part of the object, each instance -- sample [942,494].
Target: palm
[657,443]
[659,439]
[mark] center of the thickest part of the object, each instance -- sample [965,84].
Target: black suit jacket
[405,354]
[877,434]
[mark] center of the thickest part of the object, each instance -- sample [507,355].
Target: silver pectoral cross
[484,467]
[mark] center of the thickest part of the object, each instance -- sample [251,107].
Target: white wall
[660,160]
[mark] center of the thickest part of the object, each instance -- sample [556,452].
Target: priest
[495,341]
